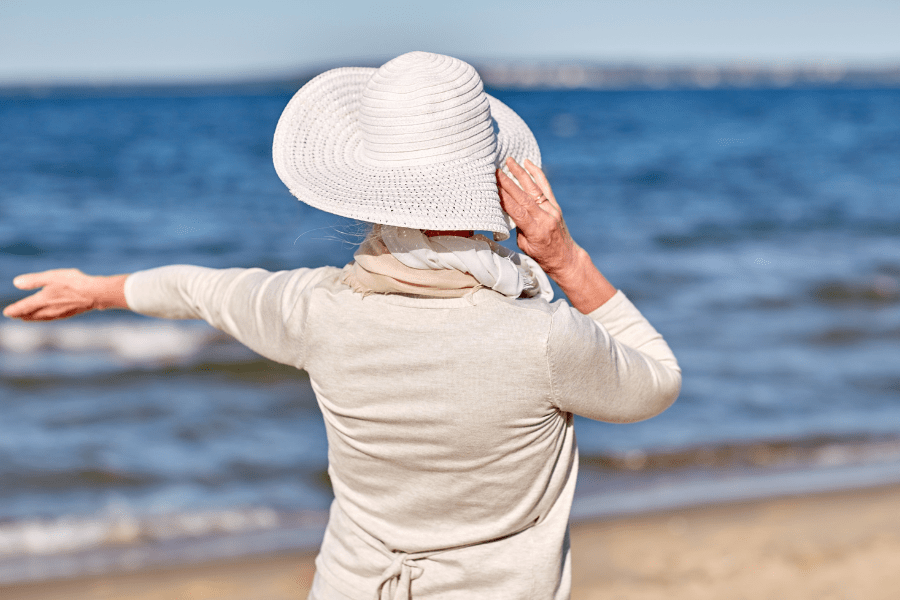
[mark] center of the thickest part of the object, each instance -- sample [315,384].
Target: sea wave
[122,529]
[119,539]
[128,341]
[813,452]
[117,526]
[127,352]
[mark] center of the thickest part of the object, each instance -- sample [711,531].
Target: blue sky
[177,40]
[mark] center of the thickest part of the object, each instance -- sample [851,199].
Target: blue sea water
[758,230]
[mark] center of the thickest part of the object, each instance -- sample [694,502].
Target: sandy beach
[833,546]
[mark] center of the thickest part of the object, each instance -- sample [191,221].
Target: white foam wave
[69,534]
[128,341]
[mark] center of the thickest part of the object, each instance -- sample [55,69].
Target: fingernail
[18,282]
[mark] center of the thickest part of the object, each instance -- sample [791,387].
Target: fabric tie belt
[396,581]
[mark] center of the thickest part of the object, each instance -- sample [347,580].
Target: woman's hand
[65,293]
[542,232]
[542,235]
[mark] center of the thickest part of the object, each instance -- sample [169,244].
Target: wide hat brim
[318,154]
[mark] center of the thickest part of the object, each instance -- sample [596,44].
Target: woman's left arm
[262,310]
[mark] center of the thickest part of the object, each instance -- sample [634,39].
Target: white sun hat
[414,143]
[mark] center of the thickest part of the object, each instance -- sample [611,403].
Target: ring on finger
[540,199]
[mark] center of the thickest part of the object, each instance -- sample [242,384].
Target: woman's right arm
[543,235]
[610,365]
[606,361]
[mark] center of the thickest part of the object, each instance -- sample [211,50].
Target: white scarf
[511,273]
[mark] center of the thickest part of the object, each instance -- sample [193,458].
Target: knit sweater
[449,420]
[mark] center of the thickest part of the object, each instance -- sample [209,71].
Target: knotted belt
[396,581]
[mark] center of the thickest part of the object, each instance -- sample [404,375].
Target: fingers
[42,306]
[26,306]
[533,189]
[514,201]
[52,314]
[30,281]
[63,294]
[22,308]
[538,176]
[525,181]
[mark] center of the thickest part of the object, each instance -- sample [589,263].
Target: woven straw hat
[414,143]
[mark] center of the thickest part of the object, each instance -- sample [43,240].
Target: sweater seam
[553,399]
[308,291]
[303,326]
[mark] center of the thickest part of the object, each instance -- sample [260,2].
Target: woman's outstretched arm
[66,293]
[264,311]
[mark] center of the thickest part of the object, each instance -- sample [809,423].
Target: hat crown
[422,108]
[415,143]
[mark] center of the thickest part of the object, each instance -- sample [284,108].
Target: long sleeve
[264,311]
[610,365]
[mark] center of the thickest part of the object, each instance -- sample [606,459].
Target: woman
[446,378]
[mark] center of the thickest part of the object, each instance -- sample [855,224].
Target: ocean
[758,230]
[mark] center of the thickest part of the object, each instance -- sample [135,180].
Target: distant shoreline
[573,75]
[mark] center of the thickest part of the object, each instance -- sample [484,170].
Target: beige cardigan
[451,448]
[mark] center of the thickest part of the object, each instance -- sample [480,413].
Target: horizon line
[521,74]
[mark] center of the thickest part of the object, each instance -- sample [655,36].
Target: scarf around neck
[406,261]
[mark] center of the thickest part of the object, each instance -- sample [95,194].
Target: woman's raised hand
[542,232]
[65,293]
[542,235]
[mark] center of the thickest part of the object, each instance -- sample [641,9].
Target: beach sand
[832,546]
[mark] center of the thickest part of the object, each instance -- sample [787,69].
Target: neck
[433,233]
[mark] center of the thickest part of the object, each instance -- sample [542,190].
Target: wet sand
[833,546]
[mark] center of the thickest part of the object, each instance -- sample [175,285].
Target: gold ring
[540,199]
